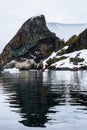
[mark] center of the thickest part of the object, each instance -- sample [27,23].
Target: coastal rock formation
[77,42]
[33,41]
[72,55]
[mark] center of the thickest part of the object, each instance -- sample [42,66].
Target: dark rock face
[79,43]
[33,40]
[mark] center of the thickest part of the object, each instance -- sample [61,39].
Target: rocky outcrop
[23,64]
[33,41]
[78,42]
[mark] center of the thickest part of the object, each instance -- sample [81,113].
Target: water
[33,100]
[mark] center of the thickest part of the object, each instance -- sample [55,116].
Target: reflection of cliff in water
[34,93]
[30,96]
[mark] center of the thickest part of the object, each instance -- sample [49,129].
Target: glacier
[65,31]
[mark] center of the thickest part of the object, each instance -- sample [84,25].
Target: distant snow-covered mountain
[65,31]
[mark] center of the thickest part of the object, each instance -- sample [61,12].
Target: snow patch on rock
[65,63]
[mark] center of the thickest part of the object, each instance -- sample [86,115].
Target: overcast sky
[13,13]
[65,11]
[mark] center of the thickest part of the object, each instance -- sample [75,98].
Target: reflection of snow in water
[68,111]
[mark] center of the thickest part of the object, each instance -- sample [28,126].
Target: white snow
[66,62]
[65,31]
[39,15]
[51,56]
[66,47]
[12,70]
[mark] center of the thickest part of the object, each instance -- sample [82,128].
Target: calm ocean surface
[33,100]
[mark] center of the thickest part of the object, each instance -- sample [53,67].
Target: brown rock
[33,40]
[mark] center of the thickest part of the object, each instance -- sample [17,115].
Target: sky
[13,13]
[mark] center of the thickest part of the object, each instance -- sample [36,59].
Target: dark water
[52,99]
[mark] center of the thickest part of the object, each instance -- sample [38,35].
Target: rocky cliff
[33,41]
[77,42]
[73,55]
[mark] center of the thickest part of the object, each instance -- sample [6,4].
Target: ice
[12,70]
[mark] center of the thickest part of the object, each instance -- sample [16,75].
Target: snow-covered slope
[65,31]
[66,63]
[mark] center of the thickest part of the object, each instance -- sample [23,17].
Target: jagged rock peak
[79,42]
[30,31]
[33,40]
